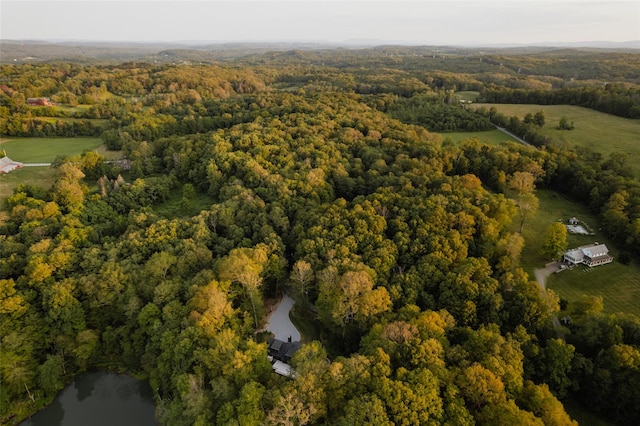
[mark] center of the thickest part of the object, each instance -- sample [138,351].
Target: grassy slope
[601,132]
[45,150]
[38,176]
[618,284]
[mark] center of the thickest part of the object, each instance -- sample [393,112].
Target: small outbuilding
[283,369]
[8,165]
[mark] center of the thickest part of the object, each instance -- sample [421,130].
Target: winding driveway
[280,324]
[541,276]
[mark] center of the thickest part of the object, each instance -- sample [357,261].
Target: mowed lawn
[618,284]
[42,150]
[45,150]
[604,133]
[38,176]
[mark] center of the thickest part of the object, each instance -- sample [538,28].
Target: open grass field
[173,206]
[38,176]
[45,150]
[601,132]
[491,137]
[618,284]
[467,95]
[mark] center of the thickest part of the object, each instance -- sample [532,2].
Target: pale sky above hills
[425,22]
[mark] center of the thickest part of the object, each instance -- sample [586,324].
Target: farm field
[618,284]
[45,150]
[598,131]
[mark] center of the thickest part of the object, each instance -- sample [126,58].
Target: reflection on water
[99,399]
[84,387]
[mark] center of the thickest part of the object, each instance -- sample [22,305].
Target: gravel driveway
[541,276]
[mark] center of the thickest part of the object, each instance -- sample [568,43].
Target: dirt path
[543,273]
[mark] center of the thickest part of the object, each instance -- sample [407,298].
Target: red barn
[39,102]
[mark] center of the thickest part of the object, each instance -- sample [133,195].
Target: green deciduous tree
[351,297]
[555,241]
[50,374]
[245,266]
[522,185]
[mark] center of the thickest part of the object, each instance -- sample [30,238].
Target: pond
[99,399]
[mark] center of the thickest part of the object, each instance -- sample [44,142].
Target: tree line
[612,98]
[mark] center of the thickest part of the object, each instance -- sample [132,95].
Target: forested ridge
[323,180]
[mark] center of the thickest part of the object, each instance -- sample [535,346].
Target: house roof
[275,344]
[283,350]
[283,369]
[7,165]
[596,251]
[575,254]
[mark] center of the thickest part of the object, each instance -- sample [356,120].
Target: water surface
[99,399]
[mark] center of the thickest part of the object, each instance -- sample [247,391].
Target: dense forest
[322,177]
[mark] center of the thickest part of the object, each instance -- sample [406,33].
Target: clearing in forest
[45,150]
[618,284]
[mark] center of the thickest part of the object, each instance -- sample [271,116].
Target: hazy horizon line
[365,41]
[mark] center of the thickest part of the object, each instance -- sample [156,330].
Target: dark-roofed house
[282,351]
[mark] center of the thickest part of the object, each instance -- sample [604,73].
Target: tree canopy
[324,181]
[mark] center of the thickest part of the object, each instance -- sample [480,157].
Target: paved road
[36,164]
[503,130]
[279,322]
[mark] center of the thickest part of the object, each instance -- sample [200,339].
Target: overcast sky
[425,22]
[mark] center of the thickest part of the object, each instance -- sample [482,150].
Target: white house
[591,255]
[574,256]
[596,255]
